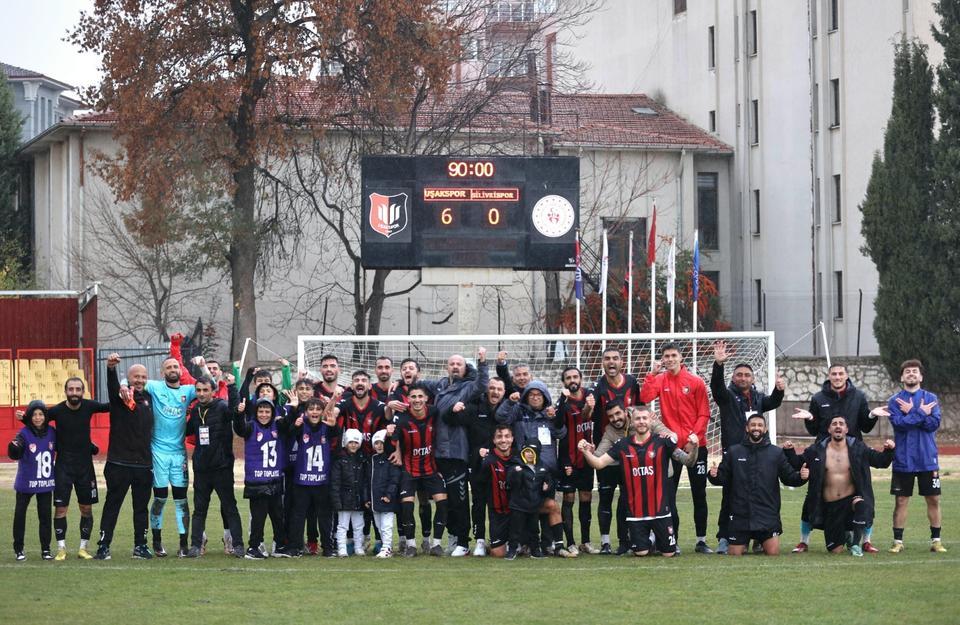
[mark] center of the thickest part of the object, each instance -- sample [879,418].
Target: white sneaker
[481,549]
[451,544]
[459,552]
[342,552]
[573,550]
[228,544]
[385,552]
[588,548]
[366,544]
[359,552]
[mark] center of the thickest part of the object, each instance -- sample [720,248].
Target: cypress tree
[14,239]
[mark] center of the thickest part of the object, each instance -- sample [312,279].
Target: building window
[906,6]
[707,211]
[837,197]
[738,114]
[813,18]
[712,121]
[752,32]
[712,276]
[736,38]
[756,211]
[816,107]
[505,62]
[679,6]
[816,203]
[513,11]
[834,102]
[754,122]
[758,295]
[819,295]
[618,246]
[711,47]
[834,15]
[838,280]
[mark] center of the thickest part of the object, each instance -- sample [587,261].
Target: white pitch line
[842,561]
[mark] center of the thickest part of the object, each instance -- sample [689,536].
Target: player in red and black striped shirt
[614,386]
[384,371]
[361,411]
[644,466]
[493,482]
[575,411]
[415,434]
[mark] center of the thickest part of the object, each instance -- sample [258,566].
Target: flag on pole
[652,240]
[696,265]
[578,275]
[604,264]
[627,279]
[672,271]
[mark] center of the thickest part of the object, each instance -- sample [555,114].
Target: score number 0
[493,216]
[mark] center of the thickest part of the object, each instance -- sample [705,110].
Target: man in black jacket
[748,473]
[839,397]
[129,460]
[480,431]
[840,492]
[737,402]
[211,421]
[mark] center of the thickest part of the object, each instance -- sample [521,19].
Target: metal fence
[150,357]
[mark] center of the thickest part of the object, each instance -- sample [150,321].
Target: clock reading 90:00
[470,169]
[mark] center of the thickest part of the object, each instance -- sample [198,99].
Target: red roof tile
[576,119]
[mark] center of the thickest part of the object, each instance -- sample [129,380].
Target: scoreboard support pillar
[469,293]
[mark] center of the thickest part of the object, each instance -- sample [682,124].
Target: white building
[802,90]
[633,152]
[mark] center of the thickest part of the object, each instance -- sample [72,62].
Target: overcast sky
[31,36]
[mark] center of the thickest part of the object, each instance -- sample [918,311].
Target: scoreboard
[518,212]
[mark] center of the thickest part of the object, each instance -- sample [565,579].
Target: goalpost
[548,354]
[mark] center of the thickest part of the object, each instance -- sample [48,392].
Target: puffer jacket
[350,481]
[534,425]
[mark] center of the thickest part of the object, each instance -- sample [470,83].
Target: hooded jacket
[452,443]
[525,482]
[861,457]
[534,425]
[851,404]
[734,406]
[15,449]
[749,471]
[350,481]
[384,482]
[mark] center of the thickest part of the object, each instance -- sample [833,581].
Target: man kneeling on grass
[645,466]
[749,472]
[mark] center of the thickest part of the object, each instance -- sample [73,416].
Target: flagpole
[695,276]
[652,262]
[578,280]
[672,282]
[604,265]
[630,300]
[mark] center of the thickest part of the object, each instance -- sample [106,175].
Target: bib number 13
[269,450]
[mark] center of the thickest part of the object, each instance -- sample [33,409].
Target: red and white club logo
[388,213]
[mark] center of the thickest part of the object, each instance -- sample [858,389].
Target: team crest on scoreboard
[388,213]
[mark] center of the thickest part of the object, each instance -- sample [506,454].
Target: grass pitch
[914,587]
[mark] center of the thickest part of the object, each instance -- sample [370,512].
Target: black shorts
[662,531]
[741,538]
[74,474]
[928,483]
[499,529]
[580,480]
[429,484]
[608,478]
[837,521]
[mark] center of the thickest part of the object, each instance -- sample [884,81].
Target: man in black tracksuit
[129,459]
[748,473]
[211,422]
[839,397]
[737,402]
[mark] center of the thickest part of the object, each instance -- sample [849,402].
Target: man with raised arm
[737,401]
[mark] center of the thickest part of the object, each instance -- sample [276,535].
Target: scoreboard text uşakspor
[515,212]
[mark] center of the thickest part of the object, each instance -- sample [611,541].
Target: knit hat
[379,437]
[352,435]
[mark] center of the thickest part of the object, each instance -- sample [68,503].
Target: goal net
[548,354]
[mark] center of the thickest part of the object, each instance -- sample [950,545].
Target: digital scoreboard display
[518,212]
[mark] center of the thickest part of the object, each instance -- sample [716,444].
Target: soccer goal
[548,354]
